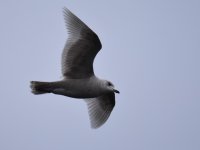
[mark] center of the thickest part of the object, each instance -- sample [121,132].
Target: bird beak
[116,91]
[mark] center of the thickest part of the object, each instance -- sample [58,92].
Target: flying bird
[79,80]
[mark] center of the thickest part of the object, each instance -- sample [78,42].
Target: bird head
[110,86]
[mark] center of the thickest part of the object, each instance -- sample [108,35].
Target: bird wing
[100,108]
[80,49]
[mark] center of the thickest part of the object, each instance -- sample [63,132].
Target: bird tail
[40,87]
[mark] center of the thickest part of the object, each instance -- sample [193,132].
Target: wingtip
[66,11]
[95,126]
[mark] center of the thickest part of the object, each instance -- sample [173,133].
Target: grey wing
[100,108]
[80,49]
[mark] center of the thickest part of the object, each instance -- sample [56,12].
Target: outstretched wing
[80,49]
[100,108]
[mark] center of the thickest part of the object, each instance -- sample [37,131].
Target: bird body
[76,88]
[77,69]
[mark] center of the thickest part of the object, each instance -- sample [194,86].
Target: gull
[79,80]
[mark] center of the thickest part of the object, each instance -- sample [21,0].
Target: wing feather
[80,49]
[100,108]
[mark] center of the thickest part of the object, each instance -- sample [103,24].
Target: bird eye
[109,84]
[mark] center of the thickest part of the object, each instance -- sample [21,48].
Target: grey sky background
[151,52]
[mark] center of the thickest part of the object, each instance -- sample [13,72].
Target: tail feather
[40,87]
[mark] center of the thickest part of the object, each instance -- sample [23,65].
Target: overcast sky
[151,52]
